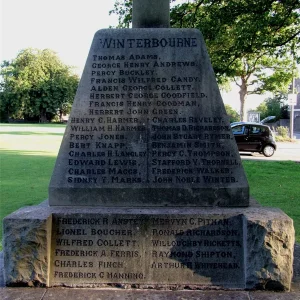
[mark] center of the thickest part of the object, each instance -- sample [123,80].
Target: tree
[36,85]
[233,115]
[274,106]
[257,74]
[250,42]
[263,110]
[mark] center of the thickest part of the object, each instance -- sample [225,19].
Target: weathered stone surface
[26,244]
[160,248]
[271,238]
[295,286]
[21,294]
[118,293]
[271,296]
[148,127]
[151,14]
[1,270]
[169,248]
[145,295]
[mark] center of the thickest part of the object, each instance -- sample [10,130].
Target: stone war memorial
[148,190]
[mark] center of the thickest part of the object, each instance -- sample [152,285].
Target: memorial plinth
[245,248]
[148,190]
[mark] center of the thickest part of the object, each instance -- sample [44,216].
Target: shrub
[283,131]
[280,138]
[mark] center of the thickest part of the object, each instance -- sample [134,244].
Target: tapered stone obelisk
[148,126]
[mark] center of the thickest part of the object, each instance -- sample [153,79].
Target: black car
[254,137]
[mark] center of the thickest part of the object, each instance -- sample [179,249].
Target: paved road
[285,151]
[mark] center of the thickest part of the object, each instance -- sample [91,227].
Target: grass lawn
[28,153]
[276,184]
[27,157]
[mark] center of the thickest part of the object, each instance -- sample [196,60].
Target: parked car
[267,119]
[254,137]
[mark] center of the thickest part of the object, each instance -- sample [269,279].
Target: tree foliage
[249,41]
[274,106]
[233,115]
[36,85]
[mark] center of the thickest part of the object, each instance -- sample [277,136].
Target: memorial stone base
[235,248]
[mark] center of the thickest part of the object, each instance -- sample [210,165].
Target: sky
[66,27]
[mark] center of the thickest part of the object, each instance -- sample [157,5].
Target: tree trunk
[43,117]
[243,97]
[60,115]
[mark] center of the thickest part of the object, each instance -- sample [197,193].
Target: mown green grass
[27,157]
[276,184]
[28,153]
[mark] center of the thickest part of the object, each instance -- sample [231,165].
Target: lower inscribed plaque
[91,249]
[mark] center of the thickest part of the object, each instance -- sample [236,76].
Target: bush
[283,131]
[280,138]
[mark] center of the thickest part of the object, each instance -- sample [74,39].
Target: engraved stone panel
[202,245]
[144,249]
[148,127]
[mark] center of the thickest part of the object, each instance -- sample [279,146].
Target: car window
[255,129]
[241,129]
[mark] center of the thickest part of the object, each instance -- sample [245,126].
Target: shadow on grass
[24,125]
[24,179]
[26,153]
[22,165]
[31,133]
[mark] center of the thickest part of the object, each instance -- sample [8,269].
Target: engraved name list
[142,248]
[140,124]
